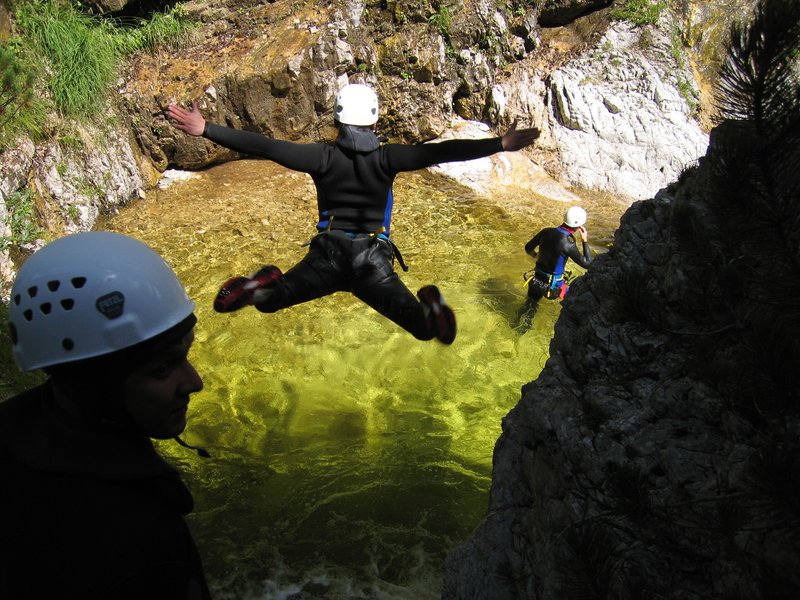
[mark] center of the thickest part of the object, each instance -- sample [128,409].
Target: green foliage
[170,30]
[635,300]
[686,90]
[442,19]
[676,47]
[754,160]
[82,52]
[20,108]
[16,86]
[756,148]
[21,220]
[638,12]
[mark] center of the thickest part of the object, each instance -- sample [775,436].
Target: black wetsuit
[89,511]
[556,245]
[354,180]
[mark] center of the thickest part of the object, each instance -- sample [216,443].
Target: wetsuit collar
[359,139]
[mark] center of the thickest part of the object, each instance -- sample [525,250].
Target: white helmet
[89,294]
[356,104]
[575,216]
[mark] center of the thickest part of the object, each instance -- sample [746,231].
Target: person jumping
[353,178]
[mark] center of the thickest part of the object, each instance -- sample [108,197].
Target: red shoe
[441,318]
[237,292]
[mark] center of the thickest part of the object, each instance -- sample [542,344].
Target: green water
[348,457]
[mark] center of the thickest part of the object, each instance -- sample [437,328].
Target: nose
[191,382]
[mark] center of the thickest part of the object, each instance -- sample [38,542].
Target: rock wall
[617,117]
[621,113]
[274,67]
[73,182]
[654,455]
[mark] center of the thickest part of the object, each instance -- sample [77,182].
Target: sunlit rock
[621,114]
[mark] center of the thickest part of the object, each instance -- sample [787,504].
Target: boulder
[621,114]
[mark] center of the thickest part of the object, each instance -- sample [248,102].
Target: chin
[169,430]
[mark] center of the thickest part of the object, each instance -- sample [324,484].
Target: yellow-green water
[347,457]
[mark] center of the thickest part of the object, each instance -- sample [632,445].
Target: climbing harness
[379,235]
[552,286]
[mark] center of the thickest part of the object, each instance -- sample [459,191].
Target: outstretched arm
[299,157]
[516,139]
[190,121]
[402,157]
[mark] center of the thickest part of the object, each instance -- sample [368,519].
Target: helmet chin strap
[199,449]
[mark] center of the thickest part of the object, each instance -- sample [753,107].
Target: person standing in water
[89,509]
[353,178]
[556,245]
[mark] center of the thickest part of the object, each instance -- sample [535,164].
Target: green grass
[170,30]
[80,53]
[21,109]
[80,50]
[638,12]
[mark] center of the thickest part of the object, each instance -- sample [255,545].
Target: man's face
[157,393]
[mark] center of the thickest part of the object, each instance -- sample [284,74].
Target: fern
[759,104]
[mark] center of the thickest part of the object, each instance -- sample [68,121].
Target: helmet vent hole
[46,308]
[32,291]
[17,299]
[13,333]
[78,282]
[53,285]
[28,314]
[67,344]
[67,303]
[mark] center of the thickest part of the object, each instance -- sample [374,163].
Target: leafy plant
[442,19]
[635,300]
[21,219]
[590,562]
[755,151]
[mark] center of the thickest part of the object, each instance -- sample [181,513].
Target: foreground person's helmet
[575,216]
[356,104]
[90,294]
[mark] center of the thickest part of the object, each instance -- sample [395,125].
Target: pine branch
[756,153]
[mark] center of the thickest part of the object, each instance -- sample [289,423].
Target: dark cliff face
[657,452]
[657,455]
